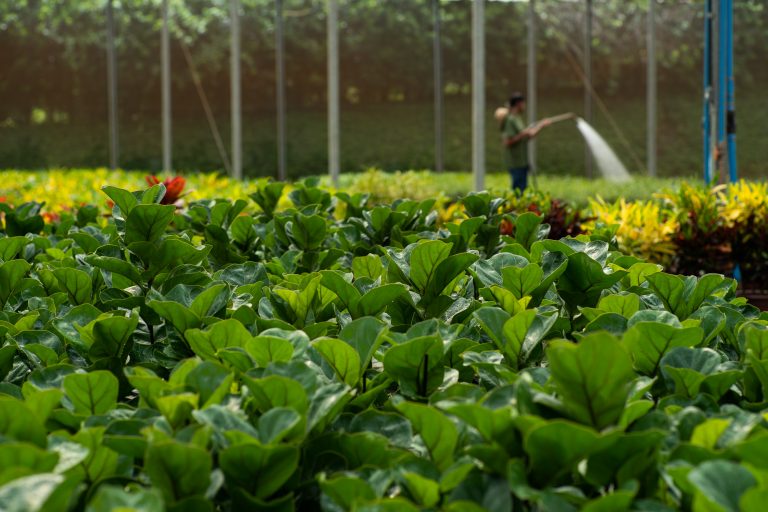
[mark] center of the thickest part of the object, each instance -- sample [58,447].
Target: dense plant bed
[337,356]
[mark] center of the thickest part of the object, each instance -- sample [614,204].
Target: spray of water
[605,158]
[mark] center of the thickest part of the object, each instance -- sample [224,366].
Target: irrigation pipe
[604,109]
[206,107]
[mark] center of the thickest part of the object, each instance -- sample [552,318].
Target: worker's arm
[528,133]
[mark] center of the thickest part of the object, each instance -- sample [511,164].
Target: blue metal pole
[706,121]
[731,94]
[722,38]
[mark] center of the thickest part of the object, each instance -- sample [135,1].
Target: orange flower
[173,188]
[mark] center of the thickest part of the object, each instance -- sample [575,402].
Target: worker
[515,136]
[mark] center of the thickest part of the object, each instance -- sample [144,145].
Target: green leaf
[41,492]
[671,290]
[377,299]
[259,470]
[437,431]
[147,222]
[224,334]
[344,290]
[18,422]
[180,317]
[122,198]
[584,280]
[347,491]
[648,342]
[17,459]
[416,365]
[365,335]
[210,301]
[689,367]
[277,423]
[109,498]
[277,391]
[369,266]
[557,446]
[177,469]
[424,261]
[110,336]
[91,393]
[11,246]
[625,305]
[522,281]
[446,271]
[267,349]
[76,283]
[344,360]
[523,333]
[307,231]
[722,483]
[425,491]
[116,266]
[11,275]
[592,377]
[212,382]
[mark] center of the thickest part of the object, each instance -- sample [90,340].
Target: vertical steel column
[707,121]
[165,51]
[282,172]
[588,86]
[532,80]
[437,60]
[651,88]
[478,93]
[721,68]
[333,91]
[730,127]
[114,147]
[235,90]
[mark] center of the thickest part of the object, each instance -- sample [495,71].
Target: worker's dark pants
[519,177]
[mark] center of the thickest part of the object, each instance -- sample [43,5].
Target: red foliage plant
[173,188]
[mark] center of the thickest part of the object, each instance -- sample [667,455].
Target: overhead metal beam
[478,93]
[114,145]
[333,92]
[437,59]
[282,171]
[235,90]
[651,104]
[165,56]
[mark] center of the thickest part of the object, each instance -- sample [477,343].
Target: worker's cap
[516,98]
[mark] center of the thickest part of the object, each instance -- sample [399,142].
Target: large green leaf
[18,422]
[649,341]
[437,431]
[259,470]
[109,498]
[592,377]
[556,447]
[178,470]
[722,482]
[224,334]
[344,360]
[424,262]
[11,275]
[417,365]
[91,393]
[76,283]
[147,222]
[584,280]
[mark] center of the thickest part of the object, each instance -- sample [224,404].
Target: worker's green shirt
[515,155]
